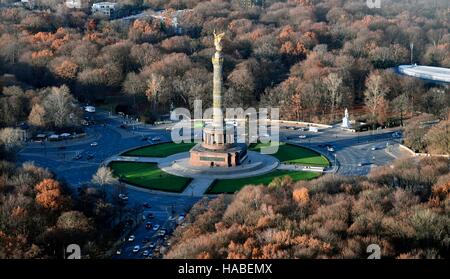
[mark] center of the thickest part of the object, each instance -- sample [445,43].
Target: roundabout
[175,173]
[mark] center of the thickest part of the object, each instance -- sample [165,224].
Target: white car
[94,143]
[89,109]
[123,197]
[136,249]
[156,139]
[302,136]
[131,238]
[373,148]
[330,148]
[156,227]
[145,253]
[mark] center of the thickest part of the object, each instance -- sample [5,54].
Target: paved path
[134,159]
[198,187]
[295,167]
[396,152]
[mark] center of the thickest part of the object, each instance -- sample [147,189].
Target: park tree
[375,94]
[402,104]
[104,176]
[10,137]
[37,116]
[49,195]
[61,108]
[134,85]
[74,221]
[335,88]
[438,138]
[144,54]
[65,69]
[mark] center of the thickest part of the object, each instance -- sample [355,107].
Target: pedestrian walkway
[133,159]
[198,187]
[397,152]
[296,167]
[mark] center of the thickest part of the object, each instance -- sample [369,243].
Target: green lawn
[291,154]
[160,150]
[233,185]
[148,175]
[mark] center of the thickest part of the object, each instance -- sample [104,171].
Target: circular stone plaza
[166,167]
[217,164]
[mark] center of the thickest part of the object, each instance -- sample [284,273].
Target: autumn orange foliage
[49,194]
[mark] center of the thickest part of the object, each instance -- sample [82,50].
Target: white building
[106,8]
[73,4]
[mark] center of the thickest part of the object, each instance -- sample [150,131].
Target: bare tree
[10,137]
[134,85]
[61,107]
[104,176]
[37,116]
[333,83]
[402,104]
[375,92]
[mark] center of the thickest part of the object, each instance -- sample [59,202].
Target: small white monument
[345,121]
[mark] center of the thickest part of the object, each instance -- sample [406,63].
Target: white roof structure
[426,72]
[104,3]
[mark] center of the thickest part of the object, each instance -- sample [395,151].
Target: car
[145,253]
[89,109]
[136,248]
[396,135]
[152,245]
[94,143]
[330,148]
[90,156]
[118,252]
[156,139]
[146,205]
[302,136]
[148,225]
[123,197]
[169,129]
[373,148]
[150,216]
[131,238]
[180,218]
[77,157]
[156,227]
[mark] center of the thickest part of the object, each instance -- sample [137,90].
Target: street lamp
[411,46]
